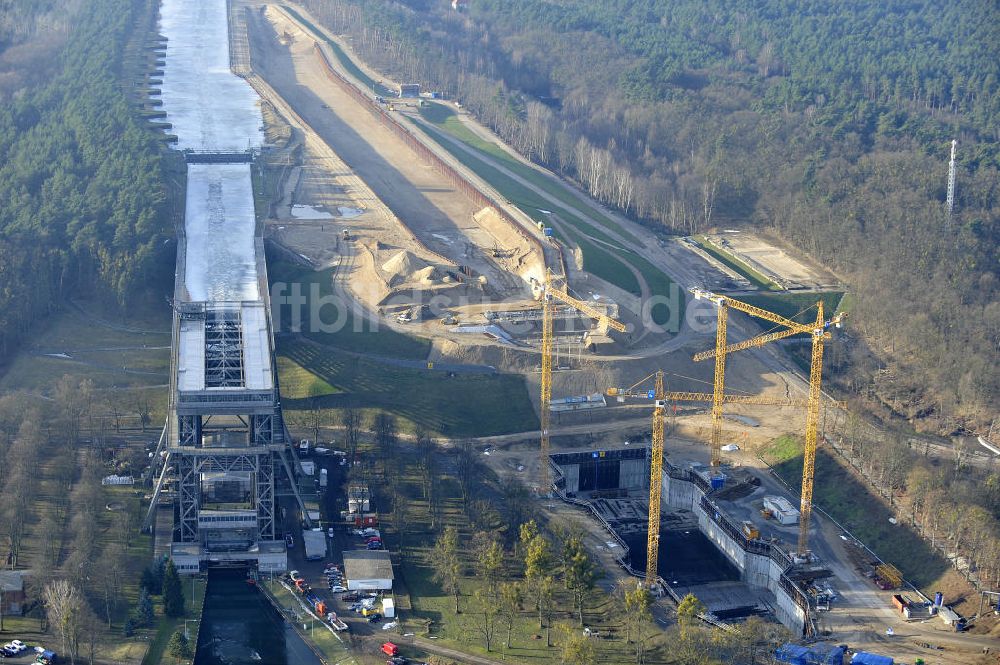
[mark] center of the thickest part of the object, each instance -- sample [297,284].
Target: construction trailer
[781,509]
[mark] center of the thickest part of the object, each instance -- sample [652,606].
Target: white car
[337,588]
[21,646]
[329,532]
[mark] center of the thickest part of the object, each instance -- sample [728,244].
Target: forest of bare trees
[55,519]
[951,501]
[715,117]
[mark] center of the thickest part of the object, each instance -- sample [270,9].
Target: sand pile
[402,266]
[426,275]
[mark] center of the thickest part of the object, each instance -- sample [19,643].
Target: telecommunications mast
[951,179]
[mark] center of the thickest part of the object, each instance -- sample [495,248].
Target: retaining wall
[761,565]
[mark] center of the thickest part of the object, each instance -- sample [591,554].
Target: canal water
[239,626]
[686,558]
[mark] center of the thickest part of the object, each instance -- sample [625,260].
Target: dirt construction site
[417,251]
[410,229]
[422,254]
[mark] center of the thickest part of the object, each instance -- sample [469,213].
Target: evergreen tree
[179,647]
[173,593]
[144,609]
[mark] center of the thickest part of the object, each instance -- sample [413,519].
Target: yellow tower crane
[661,398]
[818,332]
[550,293]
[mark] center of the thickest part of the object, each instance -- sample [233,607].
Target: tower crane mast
[818,332]
[550,294]
[661,398]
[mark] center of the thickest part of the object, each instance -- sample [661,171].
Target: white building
[368,570]
[782,510]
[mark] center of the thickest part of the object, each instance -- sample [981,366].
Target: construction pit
[413,236]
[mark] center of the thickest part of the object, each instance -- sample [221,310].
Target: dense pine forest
[83,208]
[825,124]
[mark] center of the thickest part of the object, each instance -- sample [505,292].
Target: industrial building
[618,472]
[368,570]
[225,452]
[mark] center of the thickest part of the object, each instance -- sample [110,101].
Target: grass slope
[351,334]
[461,405]
[840,493]
[796,306]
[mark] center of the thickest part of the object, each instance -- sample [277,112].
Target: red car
[390,649]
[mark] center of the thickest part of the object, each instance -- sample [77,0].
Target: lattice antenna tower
[951,179]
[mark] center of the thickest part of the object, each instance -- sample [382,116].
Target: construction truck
[315,544]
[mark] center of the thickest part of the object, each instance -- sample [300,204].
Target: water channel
[239,626]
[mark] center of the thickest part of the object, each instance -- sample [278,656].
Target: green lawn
[461,405]
[839,492]
[798,307]
[99,350]
[351,334]
[739,266]
[167,626]
[299,383]
[431,613]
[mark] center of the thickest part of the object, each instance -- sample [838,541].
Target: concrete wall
[757,570]
[633,474]
[571,472]
[680,495]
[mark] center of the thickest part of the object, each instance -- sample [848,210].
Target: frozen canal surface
[209,107]
[212,109]
[219,223]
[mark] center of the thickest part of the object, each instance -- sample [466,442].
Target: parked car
[330,532]
[338,588]
[21,646]
[289,541]
[374,546]
[373,618]
[373,538]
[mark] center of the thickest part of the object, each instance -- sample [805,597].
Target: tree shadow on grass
[855,505]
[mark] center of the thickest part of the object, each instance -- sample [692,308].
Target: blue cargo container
[815,654]
[865,658]
[548,232]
